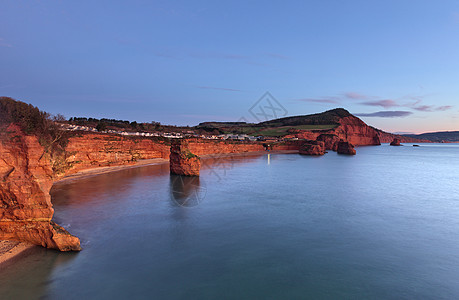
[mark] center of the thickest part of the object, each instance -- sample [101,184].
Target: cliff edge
[26,177]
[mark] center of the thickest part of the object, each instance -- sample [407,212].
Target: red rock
[395,142]
[346,148]
[92,150]
[182,160]
[25,204]
[330,141]
[312,148]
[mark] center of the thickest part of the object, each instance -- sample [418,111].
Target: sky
[393,63]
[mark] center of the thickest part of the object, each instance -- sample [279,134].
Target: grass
[278,131]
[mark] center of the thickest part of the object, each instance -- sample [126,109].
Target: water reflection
[187,191]
[90,189]
[19,281]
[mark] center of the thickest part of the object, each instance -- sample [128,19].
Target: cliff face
[312,148]
[182,161]
[203,147]
[349,128]
[91,150]
[26,178]
[353,130]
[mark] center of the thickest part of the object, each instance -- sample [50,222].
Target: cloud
[432,108]
[3,43]
[218,88]
[383,103]
[386,114]
[276,55]
[234,56]
[356,96]
[214,55]
[456,17]
[324,100]
[445,107]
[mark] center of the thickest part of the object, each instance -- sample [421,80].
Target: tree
[101,126]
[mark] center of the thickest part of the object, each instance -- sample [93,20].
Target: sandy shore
[11,249]
[103,170]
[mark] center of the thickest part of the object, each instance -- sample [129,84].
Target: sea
[383,224]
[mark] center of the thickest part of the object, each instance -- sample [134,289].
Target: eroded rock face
[330,141]
[349,128]
[346,148]
[312,148]
[92,150]
[355,131]
[182,160]
[395,142]
[204,147]
[26,178]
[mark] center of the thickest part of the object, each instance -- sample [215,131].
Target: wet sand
[103,170]
[12,249]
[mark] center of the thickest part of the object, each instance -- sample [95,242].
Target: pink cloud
[3,43]
[356,96]
[383,103]
[431,108]
[325,100]
[443,108]
[386,114]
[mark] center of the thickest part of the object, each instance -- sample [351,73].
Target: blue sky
[395,63]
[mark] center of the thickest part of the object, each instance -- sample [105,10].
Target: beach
[11,249]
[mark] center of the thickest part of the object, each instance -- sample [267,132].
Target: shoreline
[10,250]
[104,170]
[158,161]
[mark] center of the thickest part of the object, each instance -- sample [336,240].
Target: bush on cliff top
[39,123]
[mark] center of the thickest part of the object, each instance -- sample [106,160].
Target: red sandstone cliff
[310,147]
[349,128]
[91,150]
[26,178]
[353,130]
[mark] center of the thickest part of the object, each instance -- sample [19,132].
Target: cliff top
[324,118]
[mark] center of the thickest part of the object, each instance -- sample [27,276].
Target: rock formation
[26,178]
[312,148]
[182,160]
[330,141]
[91,150]
[345,148]
[395,142]
[206,147]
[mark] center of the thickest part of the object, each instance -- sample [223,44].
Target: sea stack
[395,142]
[345,148]
[182,160]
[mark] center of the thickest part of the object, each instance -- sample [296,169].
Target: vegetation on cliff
[438,137]
[33,121]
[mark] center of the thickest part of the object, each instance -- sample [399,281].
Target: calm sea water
[383,224]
